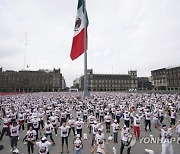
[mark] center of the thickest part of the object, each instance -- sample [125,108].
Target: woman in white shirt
[78,145]
[64,135]
[30,137]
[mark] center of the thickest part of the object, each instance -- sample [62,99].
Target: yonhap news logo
[156,140]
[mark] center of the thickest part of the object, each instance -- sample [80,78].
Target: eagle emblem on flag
[77,24]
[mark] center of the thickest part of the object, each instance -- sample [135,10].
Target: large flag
[79,44]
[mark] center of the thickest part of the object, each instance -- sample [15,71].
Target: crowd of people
[42,116]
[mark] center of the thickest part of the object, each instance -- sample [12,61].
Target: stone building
[173,78]
[30,81]
[108,82]
[144,83]
[166,78]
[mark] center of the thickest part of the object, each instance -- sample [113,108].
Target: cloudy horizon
[123,35]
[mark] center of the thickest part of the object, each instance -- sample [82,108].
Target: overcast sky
[123,35]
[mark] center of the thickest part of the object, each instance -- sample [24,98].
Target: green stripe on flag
[80,3]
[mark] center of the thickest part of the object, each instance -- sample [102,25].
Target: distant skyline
[140,35]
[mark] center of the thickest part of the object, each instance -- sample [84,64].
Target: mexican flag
[79,44]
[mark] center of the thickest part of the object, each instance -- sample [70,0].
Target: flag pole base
[86,94]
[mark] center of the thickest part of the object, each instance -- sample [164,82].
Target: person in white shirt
[79,126]
[108,119]
[71,124]
[97,112]
[178,128]
[126,117]
[41,117]
[115,127]
[21,118]
[161,115]
[147,120]
[5,128]
[54,121]
[91,120]
[13,117]
[85,115]
[43,145]
[48,130]
[99,151]
[78,145]
[118,114]
[30,136]
[14,130]
[29,121]
[63,117]
[100,141]
[67,113]
[125,138]
[101,114]
[78,114]
[173,117]
[64,135]
[136,125]
[35,121]
[15,151]
[166,134]
[95,127]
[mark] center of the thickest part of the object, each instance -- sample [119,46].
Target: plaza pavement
[138,148]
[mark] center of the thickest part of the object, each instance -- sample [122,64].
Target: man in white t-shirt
[126,117]
[64,135]
[147,120]
[125,139]
[54,120]
[48,130]
[115,127]
[71,124]
[173,117]
[35,121]
[79,126]
[14,130]
[63,117]
[41,117]
[95,127]
[91,120]
[166,134]
[108,119]
[43,146]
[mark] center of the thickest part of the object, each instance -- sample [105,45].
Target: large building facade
[30,81]
[108,82]
[166,78]
[144,83]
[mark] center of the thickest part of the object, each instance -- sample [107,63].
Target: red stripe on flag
[77,45]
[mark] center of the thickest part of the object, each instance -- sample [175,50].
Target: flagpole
[86,92]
